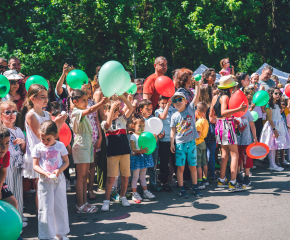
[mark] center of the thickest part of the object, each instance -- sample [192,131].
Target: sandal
[92,196]
[90,206]
[89,210]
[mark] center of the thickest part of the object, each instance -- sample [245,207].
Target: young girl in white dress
[37,98]
[274,133]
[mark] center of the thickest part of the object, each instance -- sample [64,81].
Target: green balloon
[132,89]
[10,222]
[255,115]
[261,98]
[197,77]
[4,86]
[77,78]
[147,140]
[112,76]
[36,79]
[126,85]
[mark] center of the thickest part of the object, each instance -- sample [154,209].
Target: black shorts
[5,191]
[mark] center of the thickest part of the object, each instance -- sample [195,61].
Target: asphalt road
[261,212]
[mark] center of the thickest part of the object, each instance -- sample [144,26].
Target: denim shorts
[183,151]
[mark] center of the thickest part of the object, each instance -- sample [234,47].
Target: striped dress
[13,172]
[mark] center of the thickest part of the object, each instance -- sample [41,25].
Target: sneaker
[222,184]
[285,164]
[24,224]
[156,189]
[115,195]
[128,194]
[166,188]
[67,184]
[254,167]
[276,168]
[106,206]
[236,187]
[24,219]
[148,194]
[246,182]
[182,193]
[197,192]
[205,182]
[136,197]
[200,185]
[124,201]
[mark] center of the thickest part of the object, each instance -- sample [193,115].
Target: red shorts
[247,161]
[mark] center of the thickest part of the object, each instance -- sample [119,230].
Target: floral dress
[93,117]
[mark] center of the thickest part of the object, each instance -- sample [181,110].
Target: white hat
[227,82]
[12,74]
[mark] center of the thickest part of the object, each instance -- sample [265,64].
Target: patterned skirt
[225,133]
[141,161]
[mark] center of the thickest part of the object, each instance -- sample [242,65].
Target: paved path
[262,212]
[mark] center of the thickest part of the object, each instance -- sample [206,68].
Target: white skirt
[267,136]
[28,171]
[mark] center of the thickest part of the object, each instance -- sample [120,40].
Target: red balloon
[287,90]
[164,86]
[64,133]
[236,100]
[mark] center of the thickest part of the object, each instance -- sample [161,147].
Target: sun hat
[178,94]
[12,74]
[227,82]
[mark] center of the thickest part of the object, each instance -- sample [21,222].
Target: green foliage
[91,32]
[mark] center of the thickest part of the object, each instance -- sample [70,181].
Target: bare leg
[234,160]
[109,185]
[81,181]
[180,170]
[193,174]
[205,170]
[224,160]
[199,173]
[92,179]
[12,200]
[124,185]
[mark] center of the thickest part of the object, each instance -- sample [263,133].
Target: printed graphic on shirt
[16,146]
[184,125]
[240,127]
[51,162]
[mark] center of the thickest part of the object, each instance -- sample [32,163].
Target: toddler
[50,159]
[226,70]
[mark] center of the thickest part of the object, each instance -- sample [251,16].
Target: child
[83,148]
[165,113]
[244,128]
[50,159]
[146,108]
[183,131]
[225,134]
[139,161]
[274,133]
[118,149]
[226,70]
[16,149]
[202,130]
[5,194]
[36,100]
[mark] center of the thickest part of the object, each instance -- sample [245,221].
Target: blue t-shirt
[166,122]
[185,124]
[244,135]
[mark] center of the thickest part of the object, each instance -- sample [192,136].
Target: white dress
[31,141]
[267,135]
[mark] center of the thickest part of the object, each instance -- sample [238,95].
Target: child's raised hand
[56,172]
[116,104]
[60,119]
[169,102]
[103,100]
[18,141]
[243,107]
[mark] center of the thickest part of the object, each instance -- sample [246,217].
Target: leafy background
[44,33]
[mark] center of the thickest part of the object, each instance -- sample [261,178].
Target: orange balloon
[236,100]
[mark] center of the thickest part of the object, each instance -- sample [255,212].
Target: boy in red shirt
[5,194]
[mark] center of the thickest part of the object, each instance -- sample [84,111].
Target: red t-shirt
[5,161]
[149,88]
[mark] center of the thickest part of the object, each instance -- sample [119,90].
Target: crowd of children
[197,123]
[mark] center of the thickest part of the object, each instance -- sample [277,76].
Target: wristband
[274,129]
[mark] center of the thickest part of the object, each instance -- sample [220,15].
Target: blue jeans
[152,170]
[211,146]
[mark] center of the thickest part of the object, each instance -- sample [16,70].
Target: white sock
[233,182]
[271,156]
[222,179]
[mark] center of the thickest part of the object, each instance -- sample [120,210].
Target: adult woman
[16,93]
[224,130]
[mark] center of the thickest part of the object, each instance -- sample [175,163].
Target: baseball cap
[178,94]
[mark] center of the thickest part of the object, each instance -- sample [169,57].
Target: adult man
[149,91]
[265,82]
[3,65]
[14,63]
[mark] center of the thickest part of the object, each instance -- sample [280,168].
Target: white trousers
[52,209]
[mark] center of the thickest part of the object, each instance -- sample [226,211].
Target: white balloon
[154,125]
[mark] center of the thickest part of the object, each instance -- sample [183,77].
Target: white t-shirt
[135,137]
[50,158]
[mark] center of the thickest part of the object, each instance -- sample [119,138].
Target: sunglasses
[227,62]
[177,100]
[5,67]
[13,82]
[278,93]
[8,113]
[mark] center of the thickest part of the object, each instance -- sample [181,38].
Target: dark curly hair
[182,77]
[271,100]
